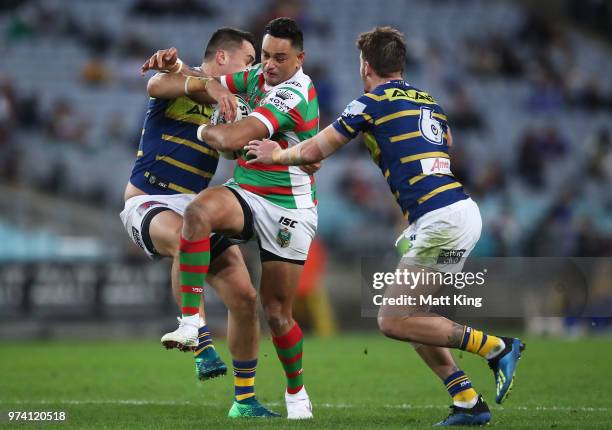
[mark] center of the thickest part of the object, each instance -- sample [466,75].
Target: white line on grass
[143,402]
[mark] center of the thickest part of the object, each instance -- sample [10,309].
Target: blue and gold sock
[477,342]
[244,380]
[205,342]
[460,389]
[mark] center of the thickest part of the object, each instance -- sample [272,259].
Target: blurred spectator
[172,7]
[461,113]
[493,55]
[66,125]
[116,132]
[491,180]
[546,93]
[553,235]
[591,96]
[594,15]
[95,73]
[290,8]
[530,165]
[599,164]
[537,149]
[326,92]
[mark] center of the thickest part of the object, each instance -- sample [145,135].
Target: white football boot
[298,405]
[185,337]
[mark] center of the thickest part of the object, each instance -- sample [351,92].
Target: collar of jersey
[296,76]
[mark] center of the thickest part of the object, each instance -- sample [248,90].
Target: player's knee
[172,246]
[194,219]
[244,300]
[277,318]
[390,327]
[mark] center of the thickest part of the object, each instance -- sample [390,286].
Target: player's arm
[199,89]
[263,122]
[234,136]
[167,60]
[310,151]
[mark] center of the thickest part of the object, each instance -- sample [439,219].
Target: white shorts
[140,210]
[283,234]
[442,239]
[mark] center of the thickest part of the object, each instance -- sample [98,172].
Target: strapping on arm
[312,150]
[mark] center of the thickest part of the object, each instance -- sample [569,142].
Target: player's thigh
[218,207]
[164,211]
[404,298]
[164,231]
[442,239]
[230,278]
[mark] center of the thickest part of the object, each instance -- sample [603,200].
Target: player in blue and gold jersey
[172,166]
[408,136]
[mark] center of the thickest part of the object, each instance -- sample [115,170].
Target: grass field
[355,382]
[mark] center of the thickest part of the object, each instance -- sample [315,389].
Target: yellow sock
[477,342]
[460,389]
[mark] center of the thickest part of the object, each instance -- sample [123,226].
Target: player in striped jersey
[274,204]
[171,167]
[408,137]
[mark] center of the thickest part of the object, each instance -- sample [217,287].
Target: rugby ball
[242,111]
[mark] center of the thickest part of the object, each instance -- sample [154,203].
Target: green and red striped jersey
[290,111]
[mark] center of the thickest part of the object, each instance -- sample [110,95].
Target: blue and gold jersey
[405,132]
[170,158]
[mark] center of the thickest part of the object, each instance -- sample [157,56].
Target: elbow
[154,87]
[227,142]
[222,143]
[213,137]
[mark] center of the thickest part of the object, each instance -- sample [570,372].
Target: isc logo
[288,222]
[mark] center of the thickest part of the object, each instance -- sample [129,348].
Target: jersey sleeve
[282,110]
[237,82]
[357,117]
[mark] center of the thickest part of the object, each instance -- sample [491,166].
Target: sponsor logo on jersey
[411,95]
[197,110]
[450,256]
[294,84]
[283,238]
[438,165]
[283,100]
[354,108]
[284,94]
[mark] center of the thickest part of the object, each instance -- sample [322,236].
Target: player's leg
[154,224]
[468,406]
[229,277]
[279,281]
[164,232]
[217,210]
[461,223]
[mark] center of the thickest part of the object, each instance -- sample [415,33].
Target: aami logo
[288,222]
[436,166]
[440,164]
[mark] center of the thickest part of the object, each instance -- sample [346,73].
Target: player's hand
[161,60]
[225,99]
[311,168]
[261,151]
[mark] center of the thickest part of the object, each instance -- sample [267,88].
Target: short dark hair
[286,28]
[384,49]
[227,38]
